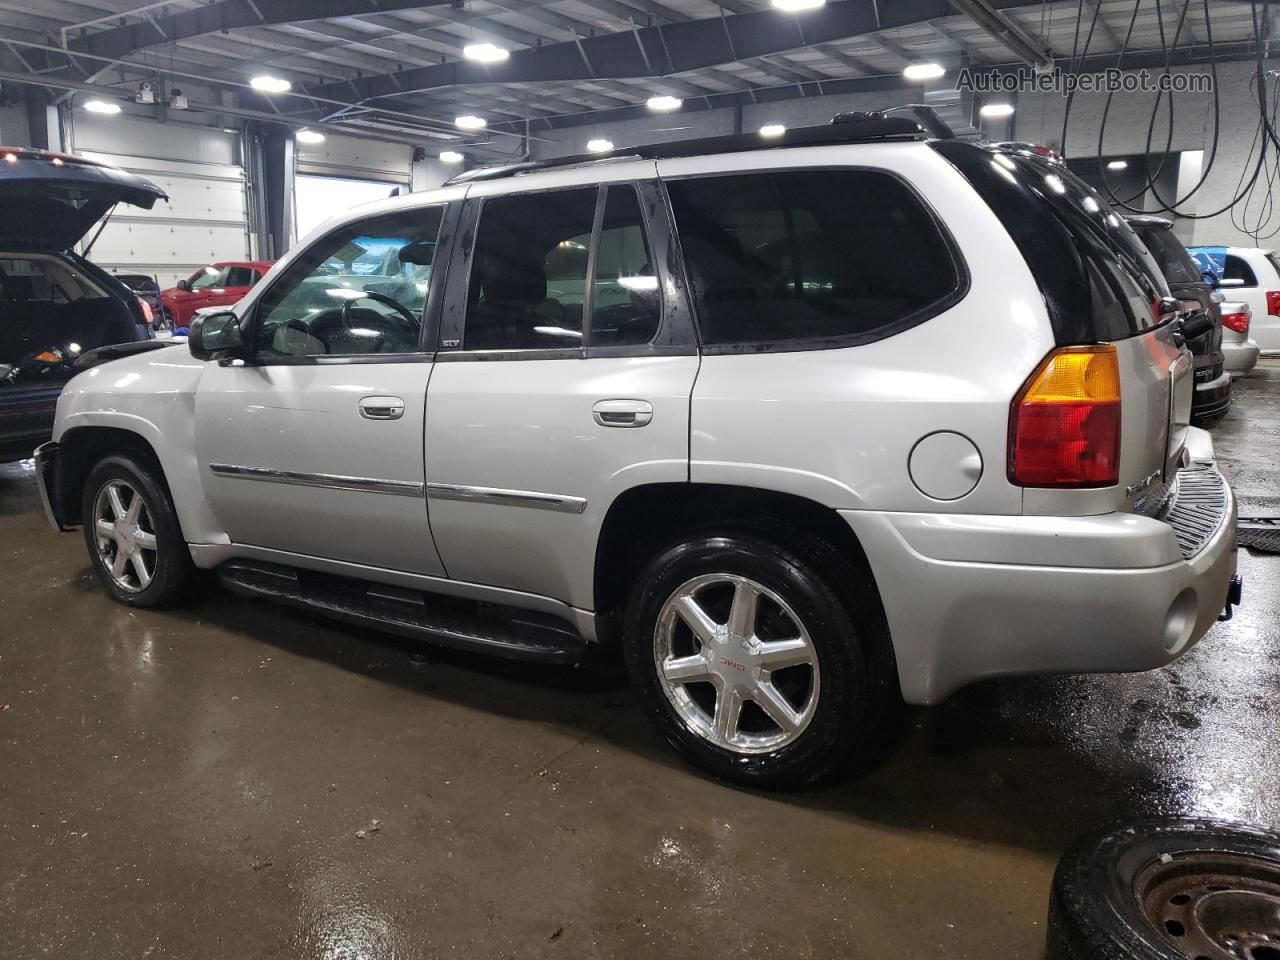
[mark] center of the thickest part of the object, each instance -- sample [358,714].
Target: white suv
[804,429]
[1250,274]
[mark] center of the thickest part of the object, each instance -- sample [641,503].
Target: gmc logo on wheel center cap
[733,663]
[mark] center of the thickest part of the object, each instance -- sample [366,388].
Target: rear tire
[762,663]
[132,534]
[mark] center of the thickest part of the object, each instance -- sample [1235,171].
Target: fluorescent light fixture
[102,106]
[798,6]
[469,121]
[485,52]
[924,71]
[600,145]
[309,136]
[996,110]
[771,130]
[1118,165]
[664,104]
[451,156]
[269,84]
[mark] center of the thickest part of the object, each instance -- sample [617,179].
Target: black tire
[840,611]
[1097,911]
[173,573]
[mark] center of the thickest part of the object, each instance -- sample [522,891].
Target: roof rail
[846,128]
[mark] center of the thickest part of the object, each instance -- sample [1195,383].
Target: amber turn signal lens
[1064,426]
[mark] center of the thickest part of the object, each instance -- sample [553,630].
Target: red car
[217,285]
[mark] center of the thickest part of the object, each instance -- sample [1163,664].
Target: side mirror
[1211,278]
[213,334]
[183,285]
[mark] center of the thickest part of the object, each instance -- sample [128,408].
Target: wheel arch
[646,517]
[83,446]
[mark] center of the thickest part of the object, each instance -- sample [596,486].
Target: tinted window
[1237,269]
[626,308]
[239,277]
[529,271]
[1170,255]
[327,303]
[809,255]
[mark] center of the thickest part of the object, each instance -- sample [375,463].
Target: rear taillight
[1064,425]
[1273,302]
[1239,322]
[146,309]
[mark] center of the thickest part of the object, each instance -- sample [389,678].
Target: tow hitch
[1234,592]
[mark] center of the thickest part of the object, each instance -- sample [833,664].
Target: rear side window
[1237,269]
[810,258]
[1170,255]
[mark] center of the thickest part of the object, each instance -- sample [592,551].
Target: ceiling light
[485,52]
[600,145]
[470,122]
[924,71]
[309,136]
[997,110]
[1118,165]
[797,6]
[664,103]
[269,84]
[451,156]
[102,106]
[772,130]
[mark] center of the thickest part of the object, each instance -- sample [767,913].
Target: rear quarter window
[1236,268]
[811,258]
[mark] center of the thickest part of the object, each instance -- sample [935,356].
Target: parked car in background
[1188,283]
[147,290]
[1240,352]
[1250,274]
[217,285]
[781,429]
[55,304]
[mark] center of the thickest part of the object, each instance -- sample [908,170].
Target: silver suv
[805,429]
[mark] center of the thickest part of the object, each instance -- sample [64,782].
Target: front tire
[756,661]
[132,534]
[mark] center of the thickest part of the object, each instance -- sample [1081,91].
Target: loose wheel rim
[736,663]
[125,536]
[1211,905]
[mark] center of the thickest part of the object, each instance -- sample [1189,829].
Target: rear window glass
[1237,269]
[843,256]
[1170,255]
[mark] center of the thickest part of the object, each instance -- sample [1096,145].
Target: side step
[449,621]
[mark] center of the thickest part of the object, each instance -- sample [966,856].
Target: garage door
[333,176]
[206,218]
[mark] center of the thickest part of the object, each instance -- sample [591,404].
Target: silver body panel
[494,478]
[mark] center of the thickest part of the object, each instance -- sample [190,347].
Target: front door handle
[622,413]
[381,408]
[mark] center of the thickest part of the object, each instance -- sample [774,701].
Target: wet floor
[236,780]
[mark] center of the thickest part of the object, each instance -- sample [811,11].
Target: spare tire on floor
[1168,889]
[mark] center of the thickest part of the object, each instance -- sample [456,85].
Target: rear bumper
[1239,357]
[1212,399]
[48,479]
[969,597]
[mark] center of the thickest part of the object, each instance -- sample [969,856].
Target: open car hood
[51,200]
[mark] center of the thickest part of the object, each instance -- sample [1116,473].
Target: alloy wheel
[737,663]
[125,536]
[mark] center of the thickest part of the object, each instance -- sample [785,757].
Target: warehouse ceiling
[397,67]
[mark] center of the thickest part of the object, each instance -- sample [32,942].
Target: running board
[449,621]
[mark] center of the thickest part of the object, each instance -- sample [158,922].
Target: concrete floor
[192,784]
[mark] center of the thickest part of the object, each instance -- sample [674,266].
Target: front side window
[207,277]
[239,277]
[529,271]
[359,290]
[812,255]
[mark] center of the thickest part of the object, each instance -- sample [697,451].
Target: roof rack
[861,127]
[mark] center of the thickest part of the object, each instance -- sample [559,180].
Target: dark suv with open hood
[54,304]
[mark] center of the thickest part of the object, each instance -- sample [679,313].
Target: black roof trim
[846,128]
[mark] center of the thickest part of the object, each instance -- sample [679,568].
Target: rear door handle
[381,408]
[622,413]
